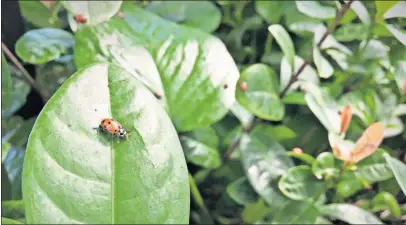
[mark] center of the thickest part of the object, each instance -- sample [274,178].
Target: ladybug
[113,127]
[79,18]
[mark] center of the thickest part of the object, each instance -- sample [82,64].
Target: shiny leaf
[284,41]
[38,14]
[101,179]
[350,214]
[241,191]
[315,9]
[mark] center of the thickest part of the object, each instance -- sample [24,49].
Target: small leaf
[95,11]
[201,147]
[241,191]
[351,32]
[348,187]
[397,33]
[309,159]
[9,221]
[296,212]
[350,214]
[399,170]
[362,12]
[264,160]
[261,97]
[382,7]
[315,9]
[396,11]
[6,85]
[270,11]
[299,183]
[385,200]
[284,41]
[43,45]
[393,127]
[325,166]
[39,14]
[99,179]
[323,66]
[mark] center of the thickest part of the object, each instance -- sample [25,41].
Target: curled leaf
[345,117]
[366,145]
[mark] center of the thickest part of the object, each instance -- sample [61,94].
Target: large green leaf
[43,45]
[315,9]
[200,14]
[350,214]
[398,169]
[285,42]
[264,160]
[299,183]
[39,14]
[6,84]
[74,174]
[262,95]
[192,66]
[201,147]
[94,11]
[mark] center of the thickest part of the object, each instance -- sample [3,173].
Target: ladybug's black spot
[115,131]
[109,122]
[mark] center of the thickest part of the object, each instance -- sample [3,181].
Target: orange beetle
[113,127]
[79,18]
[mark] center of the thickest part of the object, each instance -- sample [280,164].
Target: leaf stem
[339,16]
[27,76]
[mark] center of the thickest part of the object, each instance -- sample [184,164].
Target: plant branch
[339,15]
[27,76]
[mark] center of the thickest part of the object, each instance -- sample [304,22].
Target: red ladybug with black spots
[113,127]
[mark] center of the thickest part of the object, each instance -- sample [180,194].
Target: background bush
[238,112]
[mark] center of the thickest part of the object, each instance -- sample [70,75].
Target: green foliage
[237,112]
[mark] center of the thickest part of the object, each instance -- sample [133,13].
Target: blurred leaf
[270,11]
[202,14]
[52,75]
[325,166]
[95,11]
[5,146]
[13,164]
[393,127]
[340,58]
[241,191]
[397,33]
[9,221]
[385,200]
[375,49]
[13,209]
[99,179]
[243,115]
[348,187]
[20,92]
[330,41]
[43,45]
[294,98]
[315,9]
[362,12]
[382,7]
[20,136]
[198,200]
[324,68]
[391,186]
[351,32]
[296,212]
[308,74]
[6,84]
[262,95]
[264,160]
[350,214]
[322,220]
[201,147]
[399,170]
[398,10]
[303,157]
[206,63]
[284,41]
[279,133]
[299,183]
[254,212]
[323,107]
[298,22]
[39,14]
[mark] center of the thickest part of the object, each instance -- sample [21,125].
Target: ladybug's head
[122,133]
